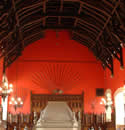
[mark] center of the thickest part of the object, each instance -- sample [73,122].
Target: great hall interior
[62,64]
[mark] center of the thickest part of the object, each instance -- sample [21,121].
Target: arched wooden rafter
[99,25]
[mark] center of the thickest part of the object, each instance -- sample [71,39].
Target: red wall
[57,62]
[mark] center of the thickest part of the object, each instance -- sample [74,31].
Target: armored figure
[25,128]
[79,116]
[91,128]
[108,95]
[74,116]
[15,128]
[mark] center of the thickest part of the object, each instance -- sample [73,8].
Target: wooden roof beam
[120,58]
[108,3]
[111,34]
[61,10]
[91,6]
[84,36]
[29,8]
[109,66]
[95,8]
[92,42]
[18,24]
[122,23]
[110,52]
[11,50]
[95,17]
[61,5]
[109,18]
[88,30]
[89,24]
[76,19]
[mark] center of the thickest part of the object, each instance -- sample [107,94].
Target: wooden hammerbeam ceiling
[96,24]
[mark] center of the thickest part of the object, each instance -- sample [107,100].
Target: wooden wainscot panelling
[39,101]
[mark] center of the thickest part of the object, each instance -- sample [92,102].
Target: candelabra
[16,102]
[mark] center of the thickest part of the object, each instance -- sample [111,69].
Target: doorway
[119,98]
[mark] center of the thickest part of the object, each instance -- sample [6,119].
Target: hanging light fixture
[16,101]
[5,88]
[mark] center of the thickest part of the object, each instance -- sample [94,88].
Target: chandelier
[5,88]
